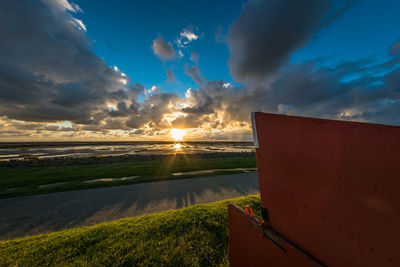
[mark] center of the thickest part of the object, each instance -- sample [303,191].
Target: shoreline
[28,144]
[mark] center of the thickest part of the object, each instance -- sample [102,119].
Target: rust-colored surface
[331,187]
[247,247]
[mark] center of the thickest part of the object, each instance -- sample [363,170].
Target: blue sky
[112,70]
[366,30]
[123,32]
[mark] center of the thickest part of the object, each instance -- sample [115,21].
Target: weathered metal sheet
[332,187]
[250,246]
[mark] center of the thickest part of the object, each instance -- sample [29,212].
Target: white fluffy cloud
[185,37]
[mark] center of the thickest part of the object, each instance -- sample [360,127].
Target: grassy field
[20,181]
[193,236]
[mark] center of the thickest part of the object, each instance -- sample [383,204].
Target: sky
[137,70]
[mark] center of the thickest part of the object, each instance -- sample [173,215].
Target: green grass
[20,181]
[193,236]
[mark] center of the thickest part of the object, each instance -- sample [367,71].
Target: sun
[177,134]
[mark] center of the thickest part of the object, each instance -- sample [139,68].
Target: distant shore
[5,145]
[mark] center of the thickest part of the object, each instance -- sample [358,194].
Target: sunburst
[177,134]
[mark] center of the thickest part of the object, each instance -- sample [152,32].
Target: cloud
[186,36]
[199,102]
[79,24]
[306,89]
[48,71]
[266,32]
[62,5]
[190,121]
[153,89]
[163,49]
[309,90]
[153,109]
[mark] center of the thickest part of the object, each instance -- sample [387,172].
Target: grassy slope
[26,179]
[193,236]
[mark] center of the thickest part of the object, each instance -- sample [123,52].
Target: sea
[27,150]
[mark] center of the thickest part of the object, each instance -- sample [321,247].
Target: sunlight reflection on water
[177,146]
[48,150]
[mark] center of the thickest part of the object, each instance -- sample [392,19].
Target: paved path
[31,215]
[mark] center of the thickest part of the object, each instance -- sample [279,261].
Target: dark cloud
[122,110]
[162,49]
[200,102]
[48,71]
[266,32]
[72,94]
[155,106]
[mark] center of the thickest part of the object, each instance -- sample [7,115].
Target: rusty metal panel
[332,187]
[249,246]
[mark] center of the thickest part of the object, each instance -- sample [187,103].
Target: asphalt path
[32,215]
